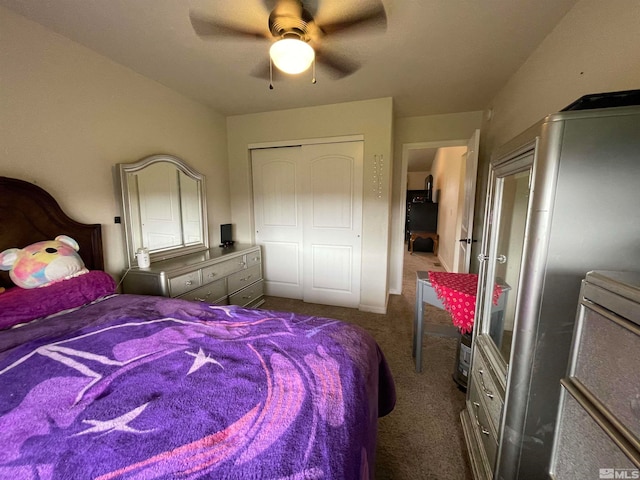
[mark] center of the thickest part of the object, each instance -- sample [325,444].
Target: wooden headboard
[28,214]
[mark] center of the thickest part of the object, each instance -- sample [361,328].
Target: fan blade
[207,27]
[339,66]
[374,16]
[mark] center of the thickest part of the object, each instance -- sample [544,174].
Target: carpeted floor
[422,437]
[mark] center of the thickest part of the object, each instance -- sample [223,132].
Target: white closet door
[308,217]
[332,219]
[277,212]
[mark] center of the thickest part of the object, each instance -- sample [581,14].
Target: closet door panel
[277,214]
[308,217]
[332,217]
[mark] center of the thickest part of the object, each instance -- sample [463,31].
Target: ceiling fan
[295,35]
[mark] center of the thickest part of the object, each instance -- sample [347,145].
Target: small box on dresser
[231,275]
[598,424]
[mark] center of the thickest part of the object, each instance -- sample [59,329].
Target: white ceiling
[436,56]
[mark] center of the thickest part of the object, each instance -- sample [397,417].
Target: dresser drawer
[210,293]
[608,365]
[243,278]
[248,295]
[222,269]
[253,258]
[482,424]
[184,283]
[486,386]
[583,449]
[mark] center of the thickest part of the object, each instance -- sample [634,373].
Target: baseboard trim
[373,309]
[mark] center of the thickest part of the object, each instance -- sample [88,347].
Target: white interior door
[466,227]
[308,217]
[332,217]
[277,215]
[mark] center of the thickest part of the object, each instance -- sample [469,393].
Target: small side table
[425,293]
[420,234]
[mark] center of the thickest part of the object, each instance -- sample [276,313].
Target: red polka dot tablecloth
[458,294]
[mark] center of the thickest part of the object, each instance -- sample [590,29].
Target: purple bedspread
[141,387]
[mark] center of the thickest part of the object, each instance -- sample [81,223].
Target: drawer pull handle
[482,428]
[246,278]
[202,299]
[247,297]
[211,275]
[486,391]
[188,282]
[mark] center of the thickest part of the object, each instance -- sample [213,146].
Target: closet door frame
[299,143]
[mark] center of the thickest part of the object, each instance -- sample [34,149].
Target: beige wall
[415,180]
[68,115]
[371,118]
[429,131]
[447,178]
[595,48]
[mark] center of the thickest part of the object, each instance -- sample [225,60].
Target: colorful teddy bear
[43,263]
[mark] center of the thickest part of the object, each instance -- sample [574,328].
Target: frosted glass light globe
[292,55]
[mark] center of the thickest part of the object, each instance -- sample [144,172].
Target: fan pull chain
[270,73]
[313,80]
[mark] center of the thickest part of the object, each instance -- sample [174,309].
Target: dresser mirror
[164,208]
[505,236]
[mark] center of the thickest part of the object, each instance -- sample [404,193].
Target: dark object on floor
[422,215]
[419,235]
[422,245]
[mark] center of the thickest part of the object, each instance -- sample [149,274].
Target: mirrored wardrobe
[563,198]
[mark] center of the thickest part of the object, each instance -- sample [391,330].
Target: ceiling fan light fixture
[292,55]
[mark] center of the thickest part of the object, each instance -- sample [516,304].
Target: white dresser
[222,276]
[598,425]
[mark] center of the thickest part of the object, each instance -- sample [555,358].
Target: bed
[138,387]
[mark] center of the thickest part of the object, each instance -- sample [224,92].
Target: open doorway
[446,161]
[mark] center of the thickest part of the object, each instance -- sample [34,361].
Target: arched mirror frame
[124,171]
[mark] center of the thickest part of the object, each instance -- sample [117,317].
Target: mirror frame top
[123,170]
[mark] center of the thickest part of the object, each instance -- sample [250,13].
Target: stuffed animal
[43,263]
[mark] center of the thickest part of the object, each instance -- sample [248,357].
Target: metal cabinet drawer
[243,278]
[486,386]
[479,414]
[184,283]
[222,269]
[584,449]
[607,363]
[248,295]
[212,292]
